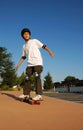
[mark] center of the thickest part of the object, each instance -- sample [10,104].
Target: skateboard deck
[30,101]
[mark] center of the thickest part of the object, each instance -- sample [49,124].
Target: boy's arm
[20,62]
[48,50]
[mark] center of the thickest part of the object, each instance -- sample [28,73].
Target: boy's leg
[27,86]
[38,70]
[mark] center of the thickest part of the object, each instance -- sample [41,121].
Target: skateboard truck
[30,101]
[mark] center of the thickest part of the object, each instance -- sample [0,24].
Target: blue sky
[56,23]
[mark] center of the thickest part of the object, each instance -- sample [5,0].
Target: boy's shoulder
[24,45]
[34,39]
[31,41]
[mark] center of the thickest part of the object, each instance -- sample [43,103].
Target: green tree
[7,71]
[69,81]
[70,78]
[48,83]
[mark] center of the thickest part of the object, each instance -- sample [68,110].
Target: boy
[35,63]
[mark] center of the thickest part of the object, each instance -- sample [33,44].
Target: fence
[72,89]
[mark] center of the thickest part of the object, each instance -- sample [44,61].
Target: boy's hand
[20,62]
[17,67]
[49,51]
[51,54]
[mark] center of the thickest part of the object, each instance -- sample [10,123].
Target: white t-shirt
[31,49]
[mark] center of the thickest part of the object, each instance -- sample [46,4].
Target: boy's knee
[36,74]
[27,77]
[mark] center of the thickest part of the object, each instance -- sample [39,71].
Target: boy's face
[26,36]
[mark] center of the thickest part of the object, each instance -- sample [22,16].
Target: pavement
[74,97]
[51,114]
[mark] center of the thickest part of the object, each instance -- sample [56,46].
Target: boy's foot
[38,98]
[24,96]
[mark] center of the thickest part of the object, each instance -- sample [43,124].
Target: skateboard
[30,101]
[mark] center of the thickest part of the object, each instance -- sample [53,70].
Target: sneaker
[24,96]
[37,98]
